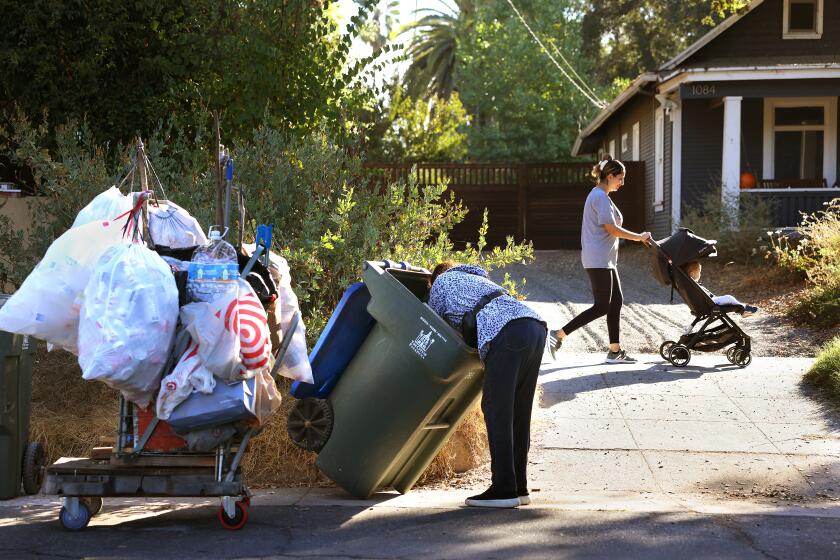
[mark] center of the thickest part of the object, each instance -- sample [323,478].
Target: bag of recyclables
[173,227]
[48,303]
[107,205]
[231,333]
[295,364]
[128,321]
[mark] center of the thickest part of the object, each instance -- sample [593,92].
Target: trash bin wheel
[237,521]
[679,355]
[310,424]
[70,523]
[94,504]
[34,465]
[665,348]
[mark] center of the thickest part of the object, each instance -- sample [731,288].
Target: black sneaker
[619,357]
[554,344]
[524,497]
[749,310]
[493,499]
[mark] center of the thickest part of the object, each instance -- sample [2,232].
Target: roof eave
[615,105]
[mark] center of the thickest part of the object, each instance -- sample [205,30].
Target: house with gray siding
[750,109]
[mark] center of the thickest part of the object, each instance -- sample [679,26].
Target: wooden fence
[542,203]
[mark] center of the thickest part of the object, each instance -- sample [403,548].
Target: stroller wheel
[730,355]
[679,355]
[743,358]
[665,349]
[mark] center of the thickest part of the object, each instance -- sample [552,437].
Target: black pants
[511,368]
[606,289]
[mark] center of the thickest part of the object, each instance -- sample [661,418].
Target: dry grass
[70,415]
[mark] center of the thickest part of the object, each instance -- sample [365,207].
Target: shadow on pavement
[390,533]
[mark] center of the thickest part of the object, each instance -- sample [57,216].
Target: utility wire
[590,96]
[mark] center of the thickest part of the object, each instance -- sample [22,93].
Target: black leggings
[606,289]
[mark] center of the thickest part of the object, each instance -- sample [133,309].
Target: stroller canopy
[680,248]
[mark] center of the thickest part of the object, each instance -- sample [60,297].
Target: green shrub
[815,255]
[825,373]
[328,217]
[711,219]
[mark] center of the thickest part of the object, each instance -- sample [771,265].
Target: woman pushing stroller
[600,231]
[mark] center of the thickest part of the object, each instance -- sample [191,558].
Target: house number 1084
[702,89]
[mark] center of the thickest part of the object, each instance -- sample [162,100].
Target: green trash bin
[19,458]
[405,391]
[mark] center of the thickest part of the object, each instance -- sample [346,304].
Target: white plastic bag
[128,321]
[189,375]
[172,226]
[295,364]
[107,205]
[231,332]
[47,304]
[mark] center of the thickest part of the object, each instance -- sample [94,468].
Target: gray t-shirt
[599,249]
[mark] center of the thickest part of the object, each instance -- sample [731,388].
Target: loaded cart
[392,382]
[183,428]
[150,459]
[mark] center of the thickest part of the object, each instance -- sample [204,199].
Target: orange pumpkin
[747,180]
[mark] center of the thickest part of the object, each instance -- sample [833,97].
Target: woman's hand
[644,238]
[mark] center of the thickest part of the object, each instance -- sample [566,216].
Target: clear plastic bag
[295,364]
[128,321]
[172,226]
[107,205]
[47,304]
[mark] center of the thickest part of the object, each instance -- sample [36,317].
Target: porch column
[731,161]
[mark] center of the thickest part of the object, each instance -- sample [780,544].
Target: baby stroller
[717,329]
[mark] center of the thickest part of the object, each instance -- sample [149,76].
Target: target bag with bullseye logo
[231,333]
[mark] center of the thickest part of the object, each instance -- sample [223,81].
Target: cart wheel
[743,358]
[238,521]
[665,349]
[310,424]
[730,354]
[69,523]
[94,504]
[34,464]
[679,355]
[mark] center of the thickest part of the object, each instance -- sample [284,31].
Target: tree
[522,108]
[433,50]
[124,66]
[421,130]
[628,37]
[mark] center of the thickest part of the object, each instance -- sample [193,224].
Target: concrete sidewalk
[708,431]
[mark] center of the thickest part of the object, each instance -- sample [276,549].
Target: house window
[800,138]
[625,144]
[802,19]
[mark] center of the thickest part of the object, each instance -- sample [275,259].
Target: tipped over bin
[406,386]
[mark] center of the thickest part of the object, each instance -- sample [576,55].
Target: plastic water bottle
[214,270]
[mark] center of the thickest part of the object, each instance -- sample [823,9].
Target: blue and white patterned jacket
[459,289]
